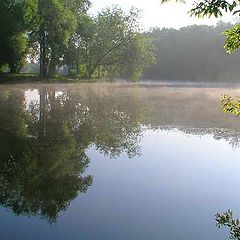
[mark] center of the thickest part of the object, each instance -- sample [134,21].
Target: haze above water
[116,161]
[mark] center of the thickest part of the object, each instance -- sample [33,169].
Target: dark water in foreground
[116,162]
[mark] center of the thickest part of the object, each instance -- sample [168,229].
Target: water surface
[116,161]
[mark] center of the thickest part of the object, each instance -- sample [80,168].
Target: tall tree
[15,18]
[56,22]
[102,43]
[76,51]
[138,56]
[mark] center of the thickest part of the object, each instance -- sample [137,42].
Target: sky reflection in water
[116,162]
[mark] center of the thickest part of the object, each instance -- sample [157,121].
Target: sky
[160,15]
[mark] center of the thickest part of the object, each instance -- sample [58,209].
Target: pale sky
[156,14]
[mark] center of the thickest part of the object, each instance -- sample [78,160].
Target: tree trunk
[52,62]
[52,67]
[42,42]
[77,69]
[90,71]
[14,69]
[43,65]
[99,72]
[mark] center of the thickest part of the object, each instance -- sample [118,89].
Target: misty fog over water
[185,84]
[113,131]
[117,161]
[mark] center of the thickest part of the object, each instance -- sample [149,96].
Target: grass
[34,78]
[15,78]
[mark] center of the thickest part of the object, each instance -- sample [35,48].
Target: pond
[116,161]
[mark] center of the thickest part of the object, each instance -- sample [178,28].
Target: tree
[226,219]
[192,53]
[75,52]
[46,25]
[138,55]
[16,50]
[56,22]
[207,8]
[231,105]
[113,30]
[15,18]
[101,43]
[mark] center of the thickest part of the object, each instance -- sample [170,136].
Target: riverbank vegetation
[193,53]
[58,33]
[60,40]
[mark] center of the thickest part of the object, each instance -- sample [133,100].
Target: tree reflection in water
[43,157]
[42,154]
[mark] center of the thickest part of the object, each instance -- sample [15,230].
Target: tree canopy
[57,32]
[208,8]
[101,44]
[193,53]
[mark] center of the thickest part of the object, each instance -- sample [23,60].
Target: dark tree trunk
[43,62]
[99,72]
[14,69]
[52,67]
[90,71]
[90,75]
[77,69]
[42,42]
[52,64]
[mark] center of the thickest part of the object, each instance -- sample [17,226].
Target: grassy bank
[6,78]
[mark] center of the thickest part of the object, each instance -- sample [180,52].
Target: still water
[116,161]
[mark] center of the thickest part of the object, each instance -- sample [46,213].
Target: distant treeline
[54,37]
[193,53]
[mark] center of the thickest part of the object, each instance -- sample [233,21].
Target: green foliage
[3,68]
[16,48]
[215,8]
[112,31]
[231,105]
[233,39]
[58,32]
[226,219]
[57,22]
[139,54]
[46,25]
[103,44]
[192,53]
[14,21]
[74,53]
[210,8]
